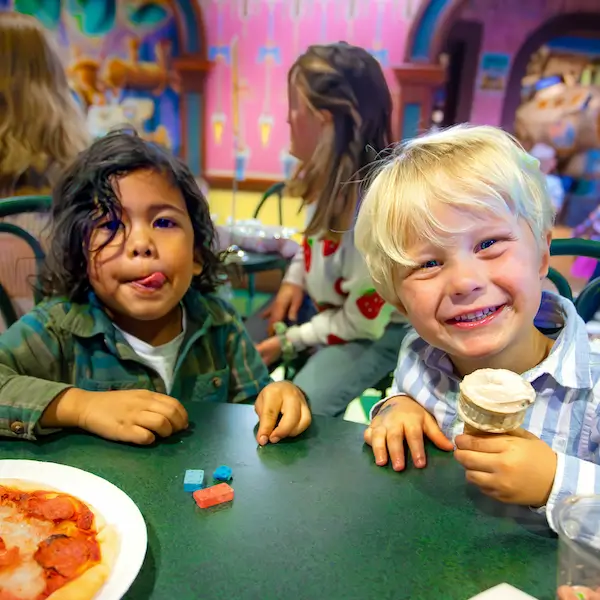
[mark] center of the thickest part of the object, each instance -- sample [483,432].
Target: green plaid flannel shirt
[62,344]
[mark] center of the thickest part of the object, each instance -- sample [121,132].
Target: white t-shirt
[160,358]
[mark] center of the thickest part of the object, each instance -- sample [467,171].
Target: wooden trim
[192,63]
[419,74]
[248,185]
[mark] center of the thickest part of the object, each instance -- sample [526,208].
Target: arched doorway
[556,26]
[421,75]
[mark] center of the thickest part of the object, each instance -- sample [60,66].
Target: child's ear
[197,270]
[545,258]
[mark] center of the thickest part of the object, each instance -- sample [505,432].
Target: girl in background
[41,131]
[41,127]
[340,119]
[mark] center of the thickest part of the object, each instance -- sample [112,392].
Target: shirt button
[216,381]
[17,427]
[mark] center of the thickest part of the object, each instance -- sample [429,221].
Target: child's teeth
[475,316]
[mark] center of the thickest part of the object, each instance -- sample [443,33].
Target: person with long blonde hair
[41,131]
[340,112]
[41,127]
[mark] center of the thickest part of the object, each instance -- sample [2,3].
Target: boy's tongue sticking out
[153,281]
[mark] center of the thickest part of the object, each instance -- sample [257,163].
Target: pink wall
[507,24]
[270,34]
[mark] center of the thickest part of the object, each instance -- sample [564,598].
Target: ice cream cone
[494,401]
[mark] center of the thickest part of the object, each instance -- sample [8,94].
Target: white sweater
[336,278]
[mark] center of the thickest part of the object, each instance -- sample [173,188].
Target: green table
[313,518]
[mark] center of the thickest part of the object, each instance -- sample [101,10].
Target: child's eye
[111,225]
[164,223]
[485,244]
[430,264]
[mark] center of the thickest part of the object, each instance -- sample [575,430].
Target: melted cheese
[25,580]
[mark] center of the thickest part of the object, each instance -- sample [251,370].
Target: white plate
[117,508]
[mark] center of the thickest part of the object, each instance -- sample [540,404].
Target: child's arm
[363,314]
[31,373]
[36,395]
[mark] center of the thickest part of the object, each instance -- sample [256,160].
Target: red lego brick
[216,494]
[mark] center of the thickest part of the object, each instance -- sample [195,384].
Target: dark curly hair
[87,192]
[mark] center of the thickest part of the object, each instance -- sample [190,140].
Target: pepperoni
[85,518]
[8,556]
[4,595]
[66,554]
[57,509]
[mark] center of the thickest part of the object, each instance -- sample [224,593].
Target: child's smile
[477,317]
[476,297]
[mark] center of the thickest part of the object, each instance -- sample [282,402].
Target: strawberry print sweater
[336,278]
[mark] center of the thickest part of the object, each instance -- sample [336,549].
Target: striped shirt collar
[569,360]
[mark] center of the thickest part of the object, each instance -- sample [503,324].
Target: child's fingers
[170,408]
[154,422]
[267,420]
[138,435]
[295,305]
[414,439]
[434,433]
[395,444]
[304,423]
[290,418]
[379,445]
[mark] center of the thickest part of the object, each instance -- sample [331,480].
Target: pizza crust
[89,583]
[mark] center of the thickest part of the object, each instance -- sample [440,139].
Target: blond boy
[456,230]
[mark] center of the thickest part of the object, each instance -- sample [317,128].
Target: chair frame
[588,301]
[11,207]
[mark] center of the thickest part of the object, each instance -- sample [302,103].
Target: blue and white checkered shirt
[565,414]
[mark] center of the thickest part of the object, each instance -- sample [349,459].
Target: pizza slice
[53,546]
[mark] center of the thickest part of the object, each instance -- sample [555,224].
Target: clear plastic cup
[577,521]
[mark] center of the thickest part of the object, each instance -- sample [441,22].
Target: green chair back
[588,301]
[277,190]
[15,206]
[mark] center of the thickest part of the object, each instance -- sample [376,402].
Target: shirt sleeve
[31,373]
[296,272]
[249,374]
[574,475]
[363,316]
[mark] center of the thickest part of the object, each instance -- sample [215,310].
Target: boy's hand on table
[402,419]
[285,399]
[135,416]
[517,468]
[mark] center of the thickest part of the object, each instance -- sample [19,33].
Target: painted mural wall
[117,56]
[253,43]
[504,33]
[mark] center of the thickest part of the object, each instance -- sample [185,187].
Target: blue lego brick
[222,473]
[193,480]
